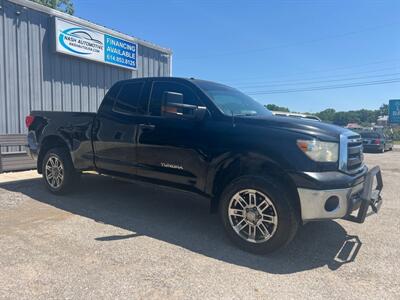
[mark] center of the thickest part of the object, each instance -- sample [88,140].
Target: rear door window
[129,100]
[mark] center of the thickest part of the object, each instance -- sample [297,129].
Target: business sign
[394,111]
[86,43]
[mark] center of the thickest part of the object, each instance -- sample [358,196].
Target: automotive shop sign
[394,111]
[82,42]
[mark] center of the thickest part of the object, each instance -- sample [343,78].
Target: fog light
[331,203]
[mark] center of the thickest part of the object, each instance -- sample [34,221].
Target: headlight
[319,151]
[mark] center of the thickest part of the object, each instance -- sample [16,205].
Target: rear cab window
[370,135]
[130,100]
[109,99]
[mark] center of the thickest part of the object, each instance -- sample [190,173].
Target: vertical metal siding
[3,105]
[34,77]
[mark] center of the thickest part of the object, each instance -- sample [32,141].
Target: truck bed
[74,128]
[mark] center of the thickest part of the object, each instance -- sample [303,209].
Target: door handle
[147,127]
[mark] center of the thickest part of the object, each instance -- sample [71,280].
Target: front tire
[258,214]
[58,170]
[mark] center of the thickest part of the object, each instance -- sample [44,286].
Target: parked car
[264,174]
[376,141]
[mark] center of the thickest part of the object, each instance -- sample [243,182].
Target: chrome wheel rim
[54,172]
[253,216]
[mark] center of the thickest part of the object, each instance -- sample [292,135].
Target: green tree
[327,115]
[341,118]
[384,109]
[395,133]
[62,5]
[274,107]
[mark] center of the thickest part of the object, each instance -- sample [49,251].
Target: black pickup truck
[265,175]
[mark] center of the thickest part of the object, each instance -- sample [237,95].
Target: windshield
[370,135]
[231,101]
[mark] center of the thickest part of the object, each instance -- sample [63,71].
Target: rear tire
[59,173]
[258,214]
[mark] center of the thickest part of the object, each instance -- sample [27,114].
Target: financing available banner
[86,43]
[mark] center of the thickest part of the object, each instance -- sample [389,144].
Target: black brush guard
[369,197]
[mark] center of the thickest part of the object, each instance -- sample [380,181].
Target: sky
[304,55]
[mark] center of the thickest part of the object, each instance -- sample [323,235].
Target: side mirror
[172,97]
[173,106]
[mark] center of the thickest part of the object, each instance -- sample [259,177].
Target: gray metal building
[33,76]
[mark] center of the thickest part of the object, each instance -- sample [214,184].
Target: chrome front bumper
[314,204]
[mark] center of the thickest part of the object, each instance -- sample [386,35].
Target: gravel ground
[112,239]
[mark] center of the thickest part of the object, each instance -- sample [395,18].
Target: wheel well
[48,143]
[270,170]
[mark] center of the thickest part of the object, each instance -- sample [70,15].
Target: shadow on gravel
[184,220]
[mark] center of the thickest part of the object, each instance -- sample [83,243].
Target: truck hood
[320,130]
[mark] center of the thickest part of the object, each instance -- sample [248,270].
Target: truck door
[115,127]
[171,144]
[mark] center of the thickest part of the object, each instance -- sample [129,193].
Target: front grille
[351,153]
[354,153]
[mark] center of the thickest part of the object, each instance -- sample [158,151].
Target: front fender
[229,166]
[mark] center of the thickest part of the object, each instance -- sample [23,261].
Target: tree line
[364,117]
[66,6]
